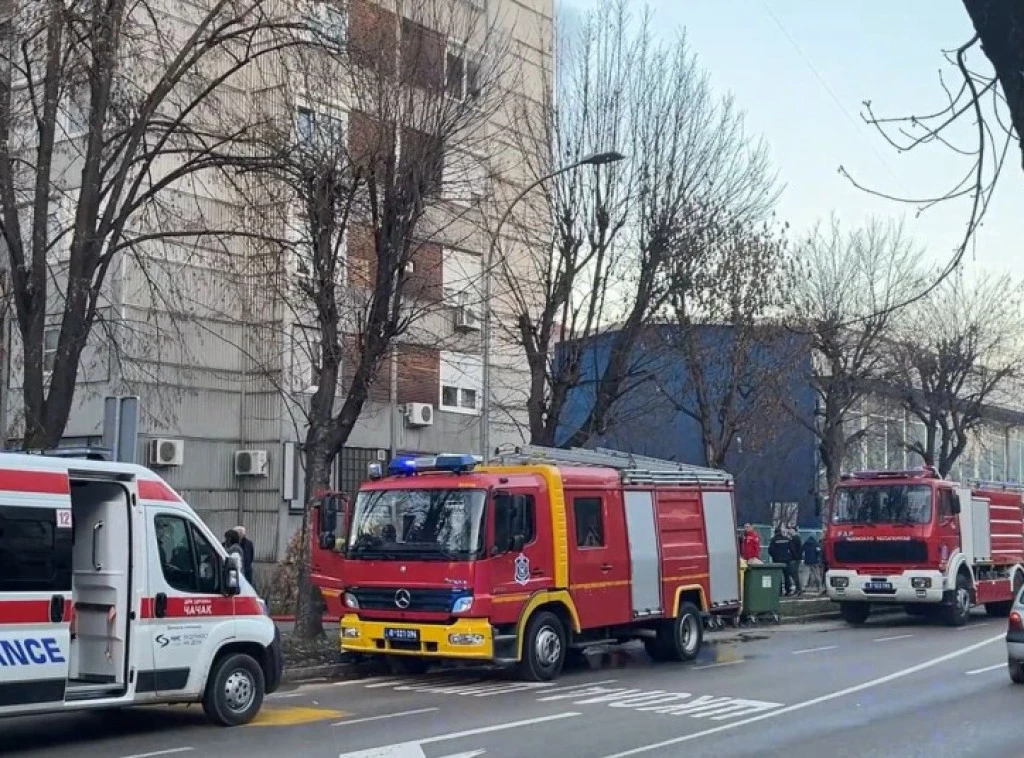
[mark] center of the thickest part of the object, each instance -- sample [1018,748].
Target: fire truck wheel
[681,637]
[959,609]
[1016,671]
[234,691]
[854,613]
[543,648]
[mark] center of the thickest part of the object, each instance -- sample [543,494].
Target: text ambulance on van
[113,592]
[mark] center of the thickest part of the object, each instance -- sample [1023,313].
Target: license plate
[402,635]
[878,586]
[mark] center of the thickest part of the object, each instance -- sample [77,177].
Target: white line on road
[717,665]
[815,649]
[813,701]
[966,627]
[349,722]
[497,728]
[172,751]
[986,669]
[894,638]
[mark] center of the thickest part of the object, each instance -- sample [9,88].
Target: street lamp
[594,159]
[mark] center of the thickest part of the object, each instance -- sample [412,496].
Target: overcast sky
[802,70]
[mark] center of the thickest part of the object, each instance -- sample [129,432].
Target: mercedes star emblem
[403,599]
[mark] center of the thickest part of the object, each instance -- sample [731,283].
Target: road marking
[815,649]
[717,665]
[894,638]
[172,751]
[415,749]
[383,716]
[986,669]
[293,716]
[663,703]
[902,673]
[967,627]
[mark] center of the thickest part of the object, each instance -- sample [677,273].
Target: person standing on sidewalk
[780,550]
[797,553]
[750,545]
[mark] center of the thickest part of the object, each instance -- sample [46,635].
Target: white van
[114,593]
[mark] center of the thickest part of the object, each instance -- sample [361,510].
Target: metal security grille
[352,465]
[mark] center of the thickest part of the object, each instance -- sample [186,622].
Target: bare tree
[362,181]
[600,275]
[954,353]
[849,286]
[111,116]
[724,288]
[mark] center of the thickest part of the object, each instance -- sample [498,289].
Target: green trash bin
[762,589]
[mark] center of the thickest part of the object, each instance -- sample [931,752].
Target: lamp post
[596,159]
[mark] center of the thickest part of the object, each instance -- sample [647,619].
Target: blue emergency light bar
[925,472]
[455,463]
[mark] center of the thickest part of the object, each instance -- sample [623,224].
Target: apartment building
[224,365]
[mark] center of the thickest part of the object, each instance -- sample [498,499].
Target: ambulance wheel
[234,692]
[682,636]
[544,648]
[958,611]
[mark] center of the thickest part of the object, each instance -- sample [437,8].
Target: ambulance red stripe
[36,482]
[150,489]
[203,606]
[29,611]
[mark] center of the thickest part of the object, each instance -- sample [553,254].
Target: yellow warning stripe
[686,578]
[600,585]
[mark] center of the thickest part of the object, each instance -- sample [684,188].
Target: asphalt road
[895,687]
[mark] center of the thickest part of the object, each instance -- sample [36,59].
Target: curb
[291,619]
[313,673]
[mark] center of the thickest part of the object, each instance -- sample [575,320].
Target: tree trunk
[309,613]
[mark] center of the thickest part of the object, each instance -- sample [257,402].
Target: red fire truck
[934,546]
[537,554]
[329,525]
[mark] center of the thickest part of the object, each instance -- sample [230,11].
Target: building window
[51,336]
[461,74]
[589,516]
[307,359]
[461,382]
[328,21]
[320,130]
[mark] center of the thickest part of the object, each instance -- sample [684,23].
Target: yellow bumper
[466,638]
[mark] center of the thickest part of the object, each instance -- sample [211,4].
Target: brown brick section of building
[380,390]
[373,35]
[419,374]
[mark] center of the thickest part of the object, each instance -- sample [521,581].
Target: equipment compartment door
[598,558]
[644,559]
[723,561]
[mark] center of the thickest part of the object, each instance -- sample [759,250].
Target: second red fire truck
[542,552]
[934,546]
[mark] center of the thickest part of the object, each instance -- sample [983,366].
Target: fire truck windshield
[883,504]
[427,524]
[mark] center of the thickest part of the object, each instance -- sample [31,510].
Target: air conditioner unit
[166,452]
[250,463]
[419,414]
[466,319]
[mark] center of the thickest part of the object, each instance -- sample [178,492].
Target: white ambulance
[114,593]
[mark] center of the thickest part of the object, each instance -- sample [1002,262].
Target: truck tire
[1016,669]
[679,639]
[958,611]
[234,691]
[544,648]
[854,613]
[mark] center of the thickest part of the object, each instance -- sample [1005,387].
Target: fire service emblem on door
[522,569]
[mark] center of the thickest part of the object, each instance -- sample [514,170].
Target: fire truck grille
[401,599]
[882,551]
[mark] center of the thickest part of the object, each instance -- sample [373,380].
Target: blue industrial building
[773,460]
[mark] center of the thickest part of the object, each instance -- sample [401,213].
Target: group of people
[788,549]
[235,542]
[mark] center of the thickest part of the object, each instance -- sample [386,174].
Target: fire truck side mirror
[955,504]
[329,514]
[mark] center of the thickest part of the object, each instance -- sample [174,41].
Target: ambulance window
[207,560]
[35,556]
[589,521]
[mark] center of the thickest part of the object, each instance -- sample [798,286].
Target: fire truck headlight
[351,602]
[465,639]
[839,582]
[462,604]
[349,632]
[921,582]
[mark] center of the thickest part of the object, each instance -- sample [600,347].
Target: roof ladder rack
[633,469]
[995,485]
